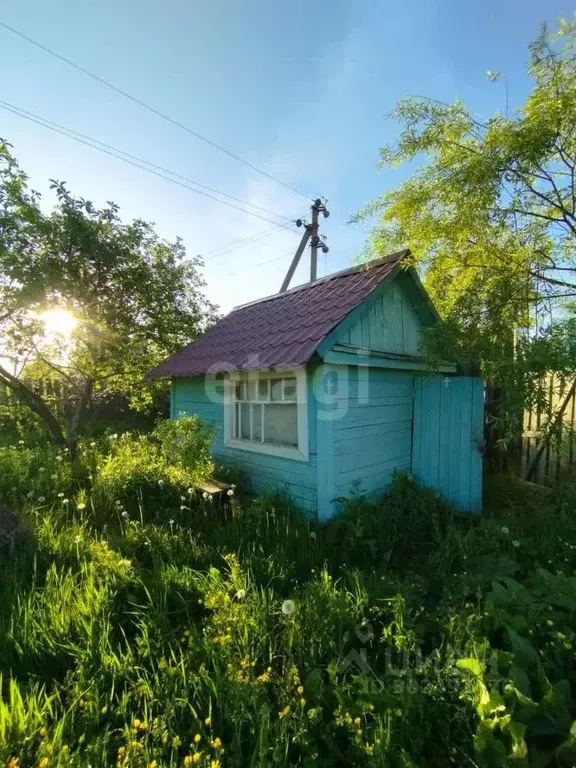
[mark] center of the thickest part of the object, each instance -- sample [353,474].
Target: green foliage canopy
[135,297]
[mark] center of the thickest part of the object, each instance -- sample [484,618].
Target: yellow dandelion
[136,723]
[153,764]
[197,739]
[357,721]
[176,741]
[369,749]
[216,743]
[188,761]
[208,720]
[300,689]
[43,763]
[285,712]
[13,762]
[196,757]
[302,702]
[215,764]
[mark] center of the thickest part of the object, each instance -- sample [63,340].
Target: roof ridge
[398,256]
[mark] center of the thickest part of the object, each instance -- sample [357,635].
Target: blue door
[447,438]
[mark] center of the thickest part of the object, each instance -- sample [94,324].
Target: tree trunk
[36,404]
[84,398]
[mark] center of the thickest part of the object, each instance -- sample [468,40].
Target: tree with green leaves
[490,216]
[125,297]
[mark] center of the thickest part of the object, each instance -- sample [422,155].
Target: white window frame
[299,453]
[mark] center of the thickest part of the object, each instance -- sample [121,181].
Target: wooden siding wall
[388,323]
[364,431]
[448,432]
[266,473]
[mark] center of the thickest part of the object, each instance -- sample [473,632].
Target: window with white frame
[267,414]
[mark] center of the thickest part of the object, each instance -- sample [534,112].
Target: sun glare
[59,321]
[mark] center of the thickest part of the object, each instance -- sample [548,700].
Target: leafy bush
[145,471]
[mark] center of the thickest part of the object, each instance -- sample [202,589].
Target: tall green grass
[144,625]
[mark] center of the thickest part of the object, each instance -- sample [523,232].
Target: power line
[242,243]
[31,115]
[112,152]
[149,108]
[259,264]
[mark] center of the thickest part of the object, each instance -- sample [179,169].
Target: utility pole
[310,233]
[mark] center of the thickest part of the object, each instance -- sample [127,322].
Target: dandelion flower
[188,761]
[285,712]
[125,515]
[515,543]
[160,482]
[43,763]
[41,469]
[197,739]
[81,505]
[205,495]
[241,594]
[504,530]
[288,607]
[215,764]
[208,720]
[300,689]
[196,757]
[313,535]
[230,492]
[217,743]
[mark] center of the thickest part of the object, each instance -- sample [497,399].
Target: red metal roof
[281,331]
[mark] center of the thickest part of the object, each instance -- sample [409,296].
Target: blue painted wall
[267,473]
[387,323]
[448,430]
[364,431]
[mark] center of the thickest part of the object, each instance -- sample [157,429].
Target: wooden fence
[548,437]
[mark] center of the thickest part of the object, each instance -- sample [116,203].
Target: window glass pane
[239,390]
[244,421]
[257,423]
[263,389]
[290,389]
[250,390]
[276,390]
[281,424]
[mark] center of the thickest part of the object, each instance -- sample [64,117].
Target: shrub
[146,471]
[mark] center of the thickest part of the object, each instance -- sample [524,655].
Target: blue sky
[298,89]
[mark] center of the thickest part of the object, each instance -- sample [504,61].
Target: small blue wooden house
[322,389]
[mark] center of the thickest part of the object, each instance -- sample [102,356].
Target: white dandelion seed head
[81,505]
[515,543]
[230,492]
[504,529]
[60,495]
[205,495]
[171,521]
[241,594]
[182,507]
[313,534]
[41,499]
[125,515]
[29,494]
[41,469]
[288,607]
[160,482]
